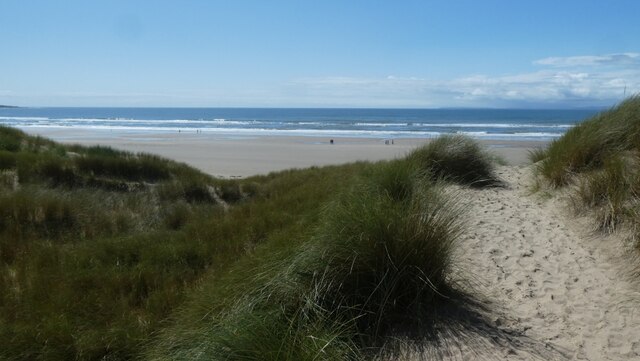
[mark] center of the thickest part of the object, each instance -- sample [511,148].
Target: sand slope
[548,277]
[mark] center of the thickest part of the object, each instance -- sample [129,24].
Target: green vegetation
[376,261]
[600,159]
[458,159]
[92,259]
[112,255]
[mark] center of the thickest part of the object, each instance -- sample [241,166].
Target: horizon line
[4,106]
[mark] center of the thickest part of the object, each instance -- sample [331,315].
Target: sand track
[553,280]
[547,277]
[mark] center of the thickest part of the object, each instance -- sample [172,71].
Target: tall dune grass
[458,159]
[375,264]
[600,159]
[100,250]
[90,271]
[382,259]
[588,145]
[91,261]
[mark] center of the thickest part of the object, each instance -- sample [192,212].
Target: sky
[329,53]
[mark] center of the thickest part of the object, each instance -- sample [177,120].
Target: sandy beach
[238,157]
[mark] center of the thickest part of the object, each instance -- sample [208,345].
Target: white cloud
[571,81]
[548,87]
[620,59]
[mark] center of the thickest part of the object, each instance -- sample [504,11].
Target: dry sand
[551,280]
[229,157]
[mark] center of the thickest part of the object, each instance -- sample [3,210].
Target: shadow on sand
[462,327]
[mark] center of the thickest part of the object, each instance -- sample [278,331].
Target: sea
[496,124]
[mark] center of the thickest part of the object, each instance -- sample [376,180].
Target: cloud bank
[622,59]
[576,81]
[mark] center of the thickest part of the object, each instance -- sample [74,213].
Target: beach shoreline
[231,156]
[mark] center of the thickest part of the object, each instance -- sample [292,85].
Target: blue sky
[330,53]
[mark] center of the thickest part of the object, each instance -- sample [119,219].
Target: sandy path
[555,284]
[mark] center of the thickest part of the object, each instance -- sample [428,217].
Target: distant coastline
[8,106]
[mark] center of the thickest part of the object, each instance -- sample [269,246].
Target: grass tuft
[588,145]
[384,259]
[601,158]
[537,155]
[610,191]
[376,262]
[458,159]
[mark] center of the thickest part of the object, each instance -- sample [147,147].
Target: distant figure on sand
[331,141]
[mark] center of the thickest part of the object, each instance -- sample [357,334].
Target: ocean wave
[463,125]
[492,125]
[24,118]
[305,132]
[379,124]
[133,121]
[472,133]
[224,122]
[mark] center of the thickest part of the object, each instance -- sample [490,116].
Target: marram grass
[459,159]
[376,263]
[600,159]
[93,258]
[113,255]
[383,260]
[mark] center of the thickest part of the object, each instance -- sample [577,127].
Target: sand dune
[554,288]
